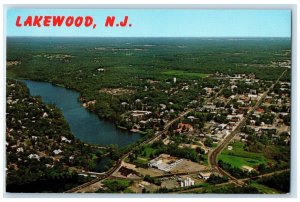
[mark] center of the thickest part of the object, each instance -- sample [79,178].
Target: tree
[208,142]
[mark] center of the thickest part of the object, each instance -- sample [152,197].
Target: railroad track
[154,138]
[119,162]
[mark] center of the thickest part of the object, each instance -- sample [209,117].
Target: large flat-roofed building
[163,162]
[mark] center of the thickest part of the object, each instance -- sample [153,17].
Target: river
[85,125]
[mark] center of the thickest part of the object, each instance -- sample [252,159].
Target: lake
[85,125]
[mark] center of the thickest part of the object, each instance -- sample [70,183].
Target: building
[138,115]
[247,168]
[204,176]
[162,162]
[57,151]
[34,156]
[64,139]
[187,182]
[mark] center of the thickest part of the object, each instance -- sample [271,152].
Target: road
[156,137]
[213,155]
[124,156]
[233,182]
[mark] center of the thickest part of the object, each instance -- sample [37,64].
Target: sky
[160,23]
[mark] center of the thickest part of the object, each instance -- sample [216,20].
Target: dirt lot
[188,166]
[138,187]
[150,171]
[170,183]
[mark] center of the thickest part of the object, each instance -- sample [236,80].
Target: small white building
[187,182]
[247,168]
[45,115]
[20,149]
[64,139]
[204,175]
[101,70]
[34,156]
[57,151]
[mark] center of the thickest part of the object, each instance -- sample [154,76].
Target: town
[218,130]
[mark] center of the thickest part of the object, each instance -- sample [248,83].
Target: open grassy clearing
[238,157]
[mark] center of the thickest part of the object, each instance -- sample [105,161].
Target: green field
[238,157]
[185,74]
[117,185]
[145,156]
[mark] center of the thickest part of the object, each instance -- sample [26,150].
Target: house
[247,168]
[208,90]
[138,115]
[209,107]
[184,127]
[64,139]
[45,115]
[138,100]
[252,97]
[101,70]
[57,151]
[20,149]
[34,156]
[71,158]
[124,104]
[162,106]
[192,118]
[204,175]
[233,87]
[222,126]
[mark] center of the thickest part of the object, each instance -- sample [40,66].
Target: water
[84,125]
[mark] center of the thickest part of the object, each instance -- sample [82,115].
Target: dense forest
[112,71]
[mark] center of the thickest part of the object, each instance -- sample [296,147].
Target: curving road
[213,155]
[118,165]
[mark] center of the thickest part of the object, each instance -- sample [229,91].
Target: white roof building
[57,151]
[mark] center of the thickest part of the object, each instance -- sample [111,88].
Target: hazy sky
[162,23]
